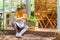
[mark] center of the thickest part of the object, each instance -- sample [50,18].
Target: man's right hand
[16,19]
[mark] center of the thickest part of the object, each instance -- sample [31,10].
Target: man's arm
[16,19]
[25,17]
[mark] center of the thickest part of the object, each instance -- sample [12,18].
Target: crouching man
[20,19]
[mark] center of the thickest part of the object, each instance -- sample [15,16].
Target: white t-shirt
[20,23]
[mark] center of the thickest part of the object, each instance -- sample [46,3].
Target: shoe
[18,35]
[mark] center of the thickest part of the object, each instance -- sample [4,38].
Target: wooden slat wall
[45,17]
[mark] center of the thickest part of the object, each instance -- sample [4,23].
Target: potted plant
[1,23]
[32,17]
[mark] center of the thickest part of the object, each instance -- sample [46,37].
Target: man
[20,19]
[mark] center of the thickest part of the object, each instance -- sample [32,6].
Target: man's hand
[22,18]
[16,19]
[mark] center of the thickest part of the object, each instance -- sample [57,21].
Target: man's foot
[18,35]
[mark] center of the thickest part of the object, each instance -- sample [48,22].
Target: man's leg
[16,29]
[23,30]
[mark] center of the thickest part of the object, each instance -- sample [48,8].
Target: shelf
[8,13]
[8,18]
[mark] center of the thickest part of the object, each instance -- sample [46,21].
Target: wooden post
[28,8]
[58,14]
[4,15]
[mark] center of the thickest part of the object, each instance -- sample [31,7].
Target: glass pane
[13,5]
[24,1]
[7,5]
[32,5]
[1,4]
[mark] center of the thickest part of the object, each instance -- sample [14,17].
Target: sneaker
[18,35]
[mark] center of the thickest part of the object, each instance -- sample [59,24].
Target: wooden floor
[37,34]
[36,29]
[25,37]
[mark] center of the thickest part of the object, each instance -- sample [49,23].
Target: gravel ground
[25,37]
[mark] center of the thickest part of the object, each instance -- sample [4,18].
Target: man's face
[20,11]
[24,10]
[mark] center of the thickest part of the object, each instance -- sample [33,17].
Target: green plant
[20,5]
[32,19]
[51,10]
[1,19]
[1,22]
[1,32]
[32,13]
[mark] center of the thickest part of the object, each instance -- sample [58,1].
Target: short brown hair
[18,9]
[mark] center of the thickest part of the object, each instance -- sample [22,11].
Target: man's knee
[14,25]
[26,26]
